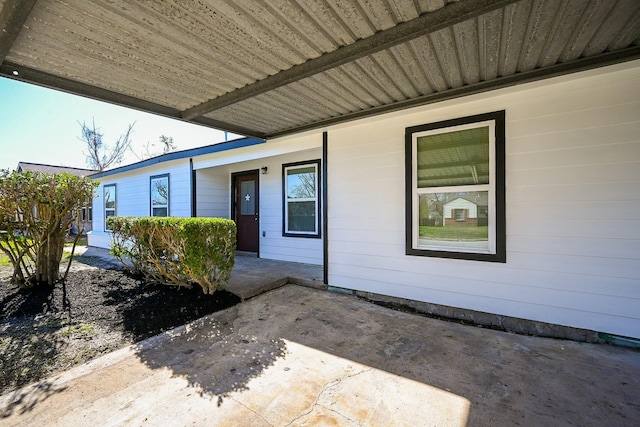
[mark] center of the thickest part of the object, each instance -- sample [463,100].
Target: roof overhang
[266,69]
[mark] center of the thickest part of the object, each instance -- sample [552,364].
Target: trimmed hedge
[177,251]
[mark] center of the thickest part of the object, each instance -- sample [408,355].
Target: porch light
[264,170]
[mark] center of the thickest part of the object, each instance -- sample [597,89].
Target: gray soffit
[273,67]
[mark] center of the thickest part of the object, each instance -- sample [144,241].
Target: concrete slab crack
[325,388]
[251,410]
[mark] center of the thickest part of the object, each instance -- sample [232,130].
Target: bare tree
[306,187]
[100,155]
[166,146]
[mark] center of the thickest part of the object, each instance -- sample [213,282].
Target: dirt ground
[99,309]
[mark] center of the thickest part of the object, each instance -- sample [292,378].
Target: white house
[364,119]
[201,183]
[557,160]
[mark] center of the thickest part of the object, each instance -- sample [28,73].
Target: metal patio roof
[266,68]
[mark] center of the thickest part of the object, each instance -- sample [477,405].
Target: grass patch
[4,260]
[82,241]
[455,233]
[80,329]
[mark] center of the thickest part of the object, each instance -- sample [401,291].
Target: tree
[36,211]
[166,146]
[305,184]
[100,155]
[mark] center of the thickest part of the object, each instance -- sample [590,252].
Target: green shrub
[178,251]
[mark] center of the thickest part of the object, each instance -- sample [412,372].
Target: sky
[40,125]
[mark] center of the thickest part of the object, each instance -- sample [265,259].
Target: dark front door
[246,210]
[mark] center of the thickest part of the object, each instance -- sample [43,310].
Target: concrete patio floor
[302,356]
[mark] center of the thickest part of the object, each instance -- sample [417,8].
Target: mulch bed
[46,330]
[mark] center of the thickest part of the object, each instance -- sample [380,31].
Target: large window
[109,192]
[160,195]
[455,188]
[301,205]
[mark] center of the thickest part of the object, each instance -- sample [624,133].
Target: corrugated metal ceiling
[270,67]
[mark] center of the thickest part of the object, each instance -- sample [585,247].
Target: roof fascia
[40,78]
[582,64]
[424,24]
[12,18]
[184,154]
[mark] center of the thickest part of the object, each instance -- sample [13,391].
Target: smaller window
[87,214]
[301,203]
[109,203]
[160,195]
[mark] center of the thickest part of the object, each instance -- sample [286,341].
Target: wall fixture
[264,170]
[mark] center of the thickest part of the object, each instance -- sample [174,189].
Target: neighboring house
[466,211]
[85,215]
[556,164]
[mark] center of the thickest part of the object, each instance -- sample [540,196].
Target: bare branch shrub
[36,212]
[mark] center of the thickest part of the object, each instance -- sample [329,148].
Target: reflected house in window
[467,210]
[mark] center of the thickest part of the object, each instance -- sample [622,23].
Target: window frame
[151,206]
[87,214]
[115,203]
[316,234]
[495,188]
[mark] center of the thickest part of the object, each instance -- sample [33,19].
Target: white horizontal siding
[573,206]
[273,245]
[133,194]
[214,193]
[552,313]
[611,134]
[569,227]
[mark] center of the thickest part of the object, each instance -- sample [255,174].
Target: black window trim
[87,214]
[115,205]
[318,164]
[500,158]
[151,178]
